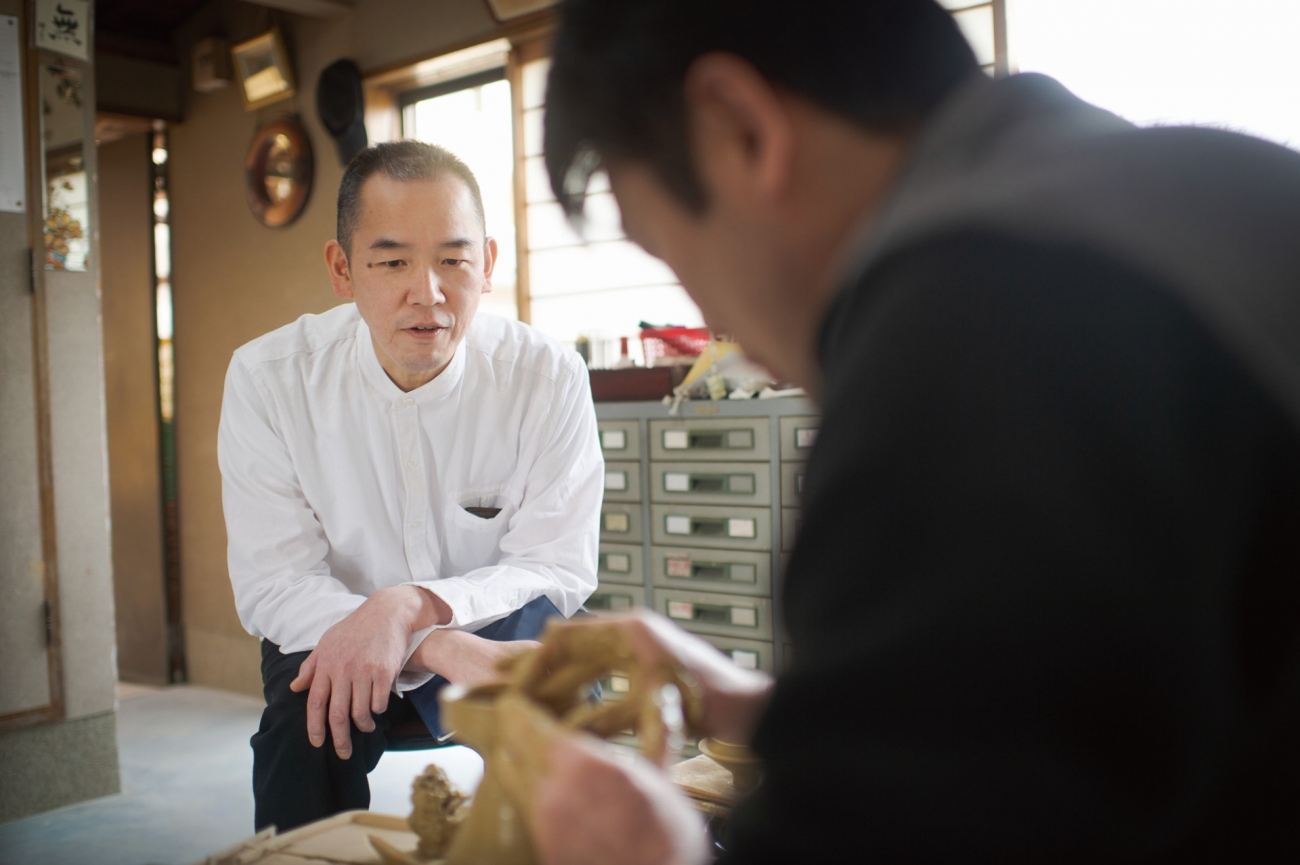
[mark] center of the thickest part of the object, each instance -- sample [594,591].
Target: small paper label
[740,438]
[677,567]
[805,437]
[613,440]
[745,617]
[741,528]
[677,482]
[621,684]
[745,660]
[742,484]
[616,481]
[616,523]
[744,573]
[676,440]
[619,563]
[681,610]
[676,525]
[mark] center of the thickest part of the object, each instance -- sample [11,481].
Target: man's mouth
[426,328]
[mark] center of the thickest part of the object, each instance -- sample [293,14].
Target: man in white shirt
[400,477]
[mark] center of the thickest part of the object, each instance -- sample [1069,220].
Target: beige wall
[131,382]
[235,280]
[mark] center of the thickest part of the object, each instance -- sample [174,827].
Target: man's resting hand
[353,667]
[464,658]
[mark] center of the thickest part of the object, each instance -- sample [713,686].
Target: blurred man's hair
[403,161]
[618,69]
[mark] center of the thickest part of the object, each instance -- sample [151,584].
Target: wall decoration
[64,26]
[278,172]
[509,10]
[263,68]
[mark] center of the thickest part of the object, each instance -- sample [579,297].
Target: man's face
[417,267]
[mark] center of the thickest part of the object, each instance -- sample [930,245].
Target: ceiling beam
[310,8]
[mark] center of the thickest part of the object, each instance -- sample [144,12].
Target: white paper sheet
[13,177]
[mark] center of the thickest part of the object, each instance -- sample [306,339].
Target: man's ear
[489,262]
[741,131]
[336,260]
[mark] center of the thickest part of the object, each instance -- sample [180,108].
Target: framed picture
[262,67]
[510,10]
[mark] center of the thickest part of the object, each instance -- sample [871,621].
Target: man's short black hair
[618,69]
[403,161]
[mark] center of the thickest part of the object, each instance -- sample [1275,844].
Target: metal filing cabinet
[699,512]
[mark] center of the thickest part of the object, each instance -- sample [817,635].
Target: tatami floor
[186,785]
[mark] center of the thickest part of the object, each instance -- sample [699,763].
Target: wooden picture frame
[263,69]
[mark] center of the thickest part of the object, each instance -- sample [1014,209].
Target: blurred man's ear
[742,135]
[336,260]
[489,262]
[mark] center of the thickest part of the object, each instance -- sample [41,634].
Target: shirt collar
[373,372]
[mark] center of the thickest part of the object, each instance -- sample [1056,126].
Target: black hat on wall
[341,106]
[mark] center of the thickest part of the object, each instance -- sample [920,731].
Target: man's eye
[395,262]
[453,261]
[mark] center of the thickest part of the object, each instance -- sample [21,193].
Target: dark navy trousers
[295,783]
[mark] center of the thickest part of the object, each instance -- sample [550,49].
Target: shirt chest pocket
[475,523]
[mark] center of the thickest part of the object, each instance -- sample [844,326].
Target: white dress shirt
[336,483]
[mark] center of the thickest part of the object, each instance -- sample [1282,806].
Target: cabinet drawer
[798,434]
[792,477]
[620,439]
[712,526]
[712,613]
[621,563]
[710,439]
[622,482]
[750,654]
[714,483]
[790,520]
[613,598]
[731,571]
[621,522]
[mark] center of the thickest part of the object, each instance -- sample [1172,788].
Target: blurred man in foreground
[1045,603]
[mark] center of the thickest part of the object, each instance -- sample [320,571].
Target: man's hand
[585,806]
[353,667]
[463,658]
[732,698]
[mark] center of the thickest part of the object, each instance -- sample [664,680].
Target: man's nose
[427,290]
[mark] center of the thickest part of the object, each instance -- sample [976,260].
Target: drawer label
[676,440]
[741,528]
[619,563]
[617,523]
[805,437]
[613,439]
[677,482]
[742,439]
[745,617]
[681,610]
[621,684]
[744,573]
[616,481]
[678,567]
[745,660]
[677,525]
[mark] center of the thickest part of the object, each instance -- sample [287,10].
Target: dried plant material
[437,812]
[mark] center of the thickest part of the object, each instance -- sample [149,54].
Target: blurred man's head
[746,141]
[412,251]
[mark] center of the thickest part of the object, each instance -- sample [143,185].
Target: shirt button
[408,401]
[410,464]
[416,525]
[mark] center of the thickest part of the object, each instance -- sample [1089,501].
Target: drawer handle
[713,614]
[733,439]
[609,601]
[613,440]
[682,482]
[683,568]
[711,527]
[616,563]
